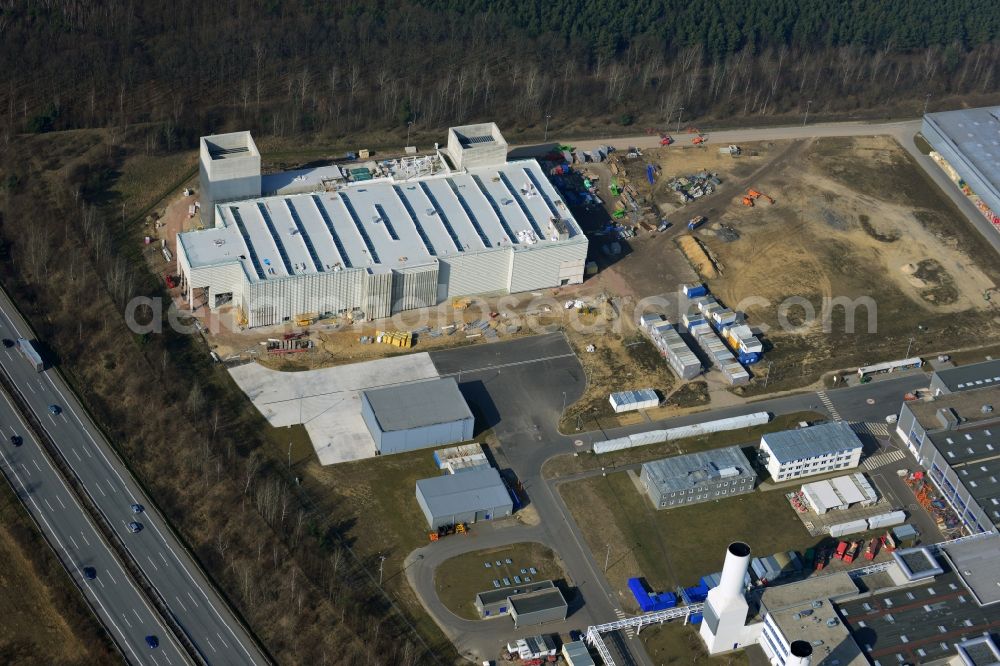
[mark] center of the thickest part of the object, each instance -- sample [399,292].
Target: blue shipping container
[694,618]
[695,290]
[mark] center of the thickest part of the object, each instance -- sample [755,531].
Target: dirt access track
[854,219]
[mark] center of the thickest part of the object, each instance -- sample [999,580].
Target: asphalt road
[204,616]
[118,603]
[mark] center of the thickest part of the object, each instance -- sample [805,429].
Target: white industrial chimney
[726,606]
[800,654]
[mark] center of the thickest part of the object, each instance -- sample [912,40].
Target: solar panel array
[383,217]
[333,232]
[538,188]
[496,209]
[441,216]
[468,212]
[246,241]
[274,236]
[416,223]
[361,228]
[520,203]
[305,236]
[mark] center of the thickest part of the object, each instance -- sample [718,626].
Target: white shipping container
[887,520]
[625,401]
[852,527]
[657,436]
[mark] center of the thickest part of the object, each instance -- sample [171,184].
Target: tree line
[297,66]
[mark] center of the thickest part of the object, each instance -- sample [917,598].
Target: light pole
[768,375]
[547,119]
[409,124]
[680,112]
[607,558]
[927,99]
[908,346]
[381,561]
[289,455]
[808,104]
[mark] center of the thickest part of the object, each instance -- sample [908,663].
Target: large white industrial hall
[376,238]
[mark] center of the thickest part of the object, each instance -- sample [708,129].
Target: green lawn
[672,547]
[569,464]
[675,643]
[459,579]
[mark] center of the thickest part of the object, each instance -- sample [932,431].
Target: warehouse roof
[477,489]
[533,602]
[819,440]
[967,444]
[967,405]
[314,179]
[380,224]
[973,376]
[577,654]
[978,566]
[418,404]
[979,651]
[916,623]
[688,471]
[975,133]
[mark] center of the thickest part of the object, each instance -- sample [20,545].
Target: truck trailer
[30,352]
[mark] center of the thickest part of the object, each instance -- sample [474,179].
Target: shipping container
[852,527]
[905,535]
[694,290]
[625,401]
[886,520]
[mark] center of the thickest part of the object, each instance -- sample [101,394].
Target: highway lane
[112,594]
[183,587]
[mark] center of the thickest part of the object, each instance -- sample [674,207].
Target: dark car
[8,343]
[138,508]
[152,642]
[134,527]
[55,409]
[16,440]
[90,573]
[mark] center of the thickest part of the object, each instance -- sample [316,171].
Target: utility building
[697,477]
[375,239]
[793,454]
[966,377]
[417,415]
[479,494]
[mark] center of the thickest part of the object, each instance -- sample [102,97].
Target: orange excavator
[666,140]
[698,140]
[753,195]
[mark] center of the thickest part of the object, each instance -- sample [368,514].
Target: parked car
[134,527]
[55,409]
[152,642]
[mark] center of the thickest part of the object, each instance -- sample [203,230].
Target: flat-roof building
[496,602]
[978,565]
[793,454]
[379,239]
[968,141]
[697,477]
[956,438]
[412,416]
[539,607]
[469,497]
[839,493]
[577,654]
[966,377]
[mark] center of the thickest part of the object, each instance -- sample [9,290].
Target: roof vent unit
[986,409]
[832,622]
[948,418]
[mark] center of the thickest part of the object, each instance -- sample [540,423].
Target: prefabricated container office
[678,354]
[478,494]
[418,415]
[627,401]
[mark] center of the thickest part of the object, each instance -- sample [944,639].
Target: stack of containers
[679,356]
[742,341]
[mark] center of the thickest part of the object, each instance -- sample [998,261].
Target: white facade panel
[544,266]
[475,273]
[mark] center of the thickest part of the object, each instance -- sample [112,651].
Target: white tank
[799,654]
[734,570]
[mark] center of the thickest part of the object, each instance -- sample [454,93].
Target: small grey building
[539,607]
[966,377]
[697,477]
[478,494]
[494,603]
[417,415]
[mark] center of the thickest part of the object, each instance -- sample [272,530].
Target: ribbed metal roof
[819,440]
[407,406]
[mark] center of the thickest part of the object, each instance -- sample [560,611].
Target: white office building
[793,454]
[376,239]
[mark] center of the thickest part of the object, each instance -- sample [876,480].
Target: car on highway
[16,440]
[55,409]
[90,573]
[8,343]
[134,527]
[137,508]
[152,642]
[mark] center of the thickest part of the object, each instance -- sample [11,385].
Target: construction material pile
[694,186]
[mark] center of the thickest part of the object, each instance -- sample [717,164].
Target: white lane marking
[181,603]
[101,582]
[98,486]
[87,451]
[84,537]
[77,455]
[41,516]
[30,387]
[210,644]
[69,406]
[75,544]
[36,464]
[125,617]
[26,470]
[163,558]
[137,615]
[59,499]
[222,639]
[167,657]
[155,568]
[111,577]
[153,659]
[48,505]
[192,599]
[111,485]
